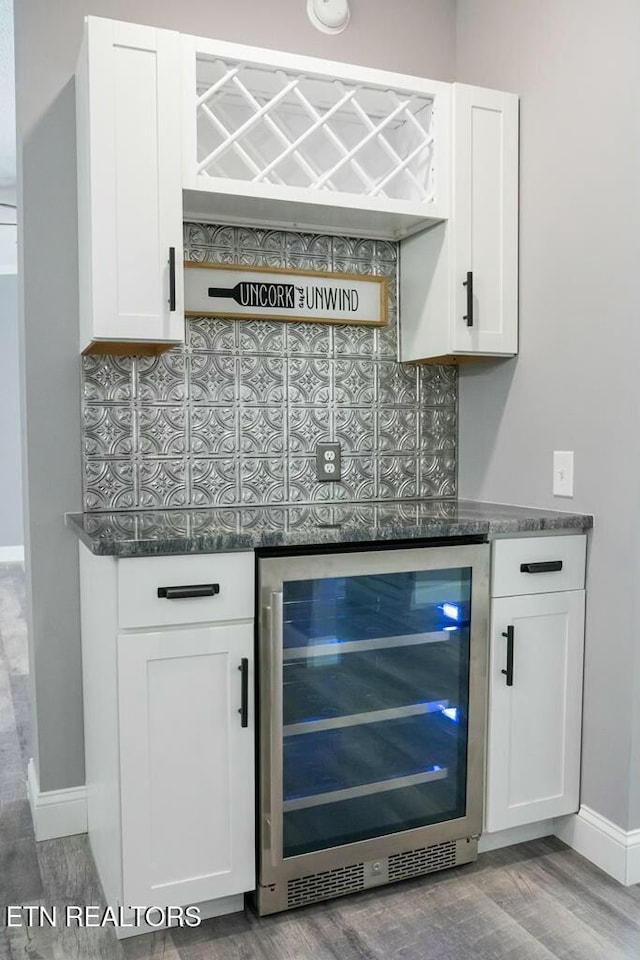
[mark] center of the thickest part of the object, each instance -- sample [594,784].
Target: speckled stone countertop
[142,533]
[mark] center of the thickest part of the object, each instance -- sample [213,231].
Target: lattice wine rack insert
[274,126]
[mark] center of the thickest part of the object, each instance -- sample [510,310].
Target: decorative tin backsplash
[233,417]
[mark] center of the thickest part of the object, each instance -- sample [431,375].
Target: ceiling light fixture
[330,16]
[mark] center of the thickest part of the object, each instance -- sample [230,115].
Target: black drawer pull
[244,692]
[544,566]
[186,593]
[509,671]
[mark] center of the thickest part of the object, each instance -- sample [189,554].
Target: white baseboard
[56,813]
[12,554]
[506,838]
[614,850]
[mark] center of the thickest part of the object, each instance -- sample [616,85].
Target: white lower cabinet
[535,708]
[168,675]
[186,764]
[169,712]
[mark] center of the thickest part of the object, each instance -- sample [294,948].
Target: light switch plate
[563,473]
[328,461]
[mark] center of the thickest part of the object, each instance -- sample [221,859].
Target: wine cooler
[372,700]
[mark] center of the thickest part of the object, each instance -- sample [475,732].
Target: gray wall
[415,36]
[10,482]
[575,384]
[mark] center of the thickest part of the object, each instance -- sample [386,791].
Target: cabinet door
[129,182]
[485,217]
[533,759]
[187,765]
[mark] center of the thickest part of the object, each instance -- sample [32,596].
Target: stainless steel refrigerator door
[274,574]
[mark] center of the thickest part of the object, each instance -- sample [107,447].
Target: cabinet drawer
[225,580]
[537,565]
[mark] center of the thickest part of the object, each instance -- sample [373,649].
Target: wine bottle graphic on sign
[256,294]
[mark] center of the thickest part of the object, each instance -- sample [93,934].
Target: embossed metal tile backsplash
[233,416]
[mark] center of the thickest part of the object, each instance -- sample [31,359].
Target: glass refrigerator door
[375,694]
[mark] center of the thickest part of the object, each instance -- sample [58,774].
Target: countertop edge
[229,541]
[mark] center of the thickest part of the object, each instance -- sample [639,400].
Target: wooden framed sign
[279,293]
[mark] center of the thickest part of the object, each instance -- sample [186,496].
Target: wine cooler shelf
[330,646]
[378,679]
[330,764]
[411,806]
[349,618]
[366,789]
[375,716]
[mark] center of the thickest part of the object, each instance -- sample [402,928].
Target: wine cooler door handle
[244,692]
[276,680]
[509,634]
[172,279]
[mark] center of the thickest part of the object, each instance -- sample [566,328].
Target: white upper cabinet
[273,137]
[128,99]
[174,127]
[459,280]
[485,219]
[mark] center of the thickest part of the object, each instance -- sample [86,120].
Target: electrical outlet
[563,473]
[328,461]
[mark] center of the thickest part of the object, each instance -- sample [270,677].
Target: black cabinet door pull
[172,279]
[468,283]
[544,566]
[244,692]
[188,592]
[509,671]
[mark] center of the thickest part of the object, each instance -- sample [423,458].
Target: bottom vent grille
[322,886]
[424,860]
[341,880]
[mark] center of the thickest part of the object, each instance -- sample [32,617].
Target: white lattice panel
[279,127]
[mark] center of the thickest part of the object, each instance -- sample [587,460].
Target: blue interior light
[451,610]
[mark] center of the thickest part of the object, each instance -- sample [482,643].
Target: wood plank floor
[537,901]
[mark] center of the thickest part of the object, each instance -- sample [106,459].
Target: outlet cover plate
[328,461]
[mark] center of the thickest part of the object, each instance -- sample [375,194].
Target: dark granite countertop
[140,533]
